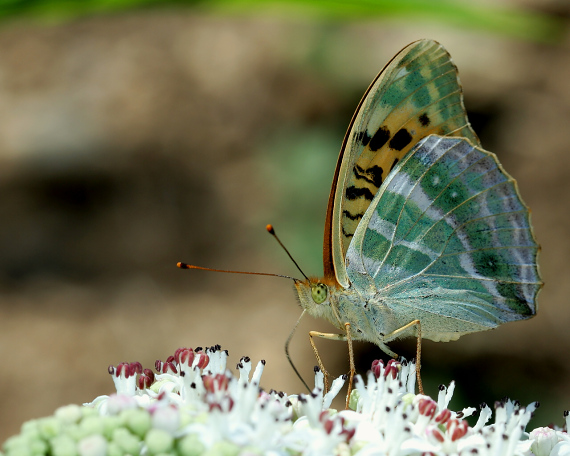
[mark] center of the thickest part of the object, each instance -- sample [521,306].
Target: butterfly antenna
[191,266]
[271,231]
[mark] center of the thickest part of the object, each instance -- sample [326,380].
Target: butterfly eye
[319,292]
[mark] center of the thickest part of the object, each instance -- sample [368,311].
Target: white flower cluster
[195,406]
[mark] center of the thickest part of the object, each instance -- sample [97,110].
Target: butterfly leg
[319,361]
[393,335]
[342,337]
[350,362]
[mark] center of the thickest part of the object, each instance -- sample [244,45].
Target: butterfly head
[316,296]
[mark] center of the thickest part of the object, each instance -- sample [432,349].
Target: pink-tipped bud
[427,407]
[377,366]
[218,382]
[443,416]
[169,367]
[348,434]
[146,379]
[392,368]
[436,433]
[208,382]
[328,425]
[123,369]
[135,368]
[203,360]
[185,356]
[458,428]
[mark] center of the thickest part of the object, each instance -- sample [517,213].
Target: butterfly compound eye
[319,292]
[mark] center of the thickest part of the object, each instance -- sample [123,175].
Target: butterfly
[426,235]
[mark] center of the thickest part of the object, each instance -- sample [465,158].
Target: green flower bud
[353,401]
[137,420]
[89,411]
[190,445]
[94,445]
[39,447]
[110,424]
[126,441]
[91,425]
[49,427]
[158,441]
[69,414]
[223,448]
[31,429]
[63,445]
[18,445]
[114,450]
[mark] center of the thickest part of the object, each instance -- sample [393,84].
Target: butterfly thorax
[369,321]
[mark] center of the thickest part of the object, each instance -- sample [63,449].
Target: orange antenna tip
[182,265]
[270,229]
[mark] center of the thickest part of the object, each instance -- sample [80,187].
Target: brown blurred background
[131,140]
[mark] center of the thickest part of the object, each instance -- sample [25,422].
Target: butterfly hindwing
[418,93]
[447,240]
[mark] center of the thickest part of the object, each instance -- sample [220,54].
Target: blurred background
[135,134]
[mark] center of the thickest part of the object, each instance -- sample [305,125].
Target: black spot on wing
[350,216]
[345,234]
[394,164]
[401,139]
[363,138]
[353,193]
[424,120]
[372,175]
[488,264]
[359,172]
[380,138]
[376,173]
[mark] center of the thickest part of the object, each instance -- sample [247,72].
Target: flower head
[195,405]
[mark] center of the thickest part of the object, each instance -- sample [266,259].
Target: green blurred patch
[505,20]
[296,167]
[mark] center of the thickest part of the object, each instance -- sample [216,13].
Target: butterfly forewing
[447,240]
[418,93]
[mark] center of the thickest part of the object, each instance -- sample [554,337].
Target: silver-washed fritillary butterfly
[426,235]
